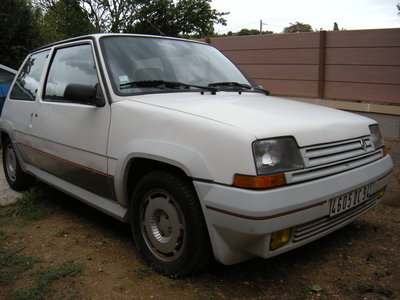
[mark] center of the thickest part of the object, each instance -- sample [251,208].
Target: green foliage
[33,205]
[45,277]
[65,19]
[315,288]
[298,27]
[19,23]
[11,264]
[144,271]
[335,26]
[175,18]
[245,31]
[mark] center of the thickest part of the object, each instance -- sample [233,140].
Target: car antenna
[156,28]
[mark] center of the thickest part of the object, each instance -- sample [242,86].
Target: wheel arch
[154,155]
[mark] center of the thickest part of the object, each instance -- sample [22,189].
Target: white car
[169,135]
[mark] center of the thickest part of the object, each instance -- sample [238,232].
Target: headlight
[376,136]
[277,155]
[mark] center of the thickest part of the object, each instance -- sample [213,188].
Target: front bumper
[240,222]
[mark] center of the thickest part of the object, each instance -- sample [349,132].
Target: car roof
[100,35]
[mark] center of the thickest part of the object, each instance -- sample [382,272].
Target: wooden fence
[360,65]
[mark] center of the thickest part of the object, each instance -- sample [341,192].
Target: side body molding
[186,159]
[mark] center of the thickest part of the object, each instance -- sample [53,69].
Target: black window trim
[14,82]
[57,47]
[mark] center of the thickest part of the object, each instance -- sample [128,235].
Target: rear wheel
[16,178]
[168,225]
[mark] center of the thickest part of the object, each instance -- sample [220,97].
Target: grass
[144,271]
[44,279]
[32,206]
[11,264]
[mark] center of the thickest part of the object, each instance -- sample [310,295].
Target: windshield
[139,65]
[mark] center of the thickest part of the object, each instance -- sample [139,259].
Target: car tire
[168,225]
[16,178]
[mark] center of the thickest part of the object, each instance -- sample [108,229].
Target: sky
[320,14]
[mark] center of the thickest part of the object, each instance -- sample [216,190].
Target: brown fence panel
[284,56]
[360,65]
[282,72]
[267,41]
[363,56]
[363,65]
[289,87]
[364,38]
[363,91]
[363,74]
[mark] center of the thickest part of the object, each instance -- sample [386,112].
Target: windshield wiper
[238,85]
[164,84]
[231,84]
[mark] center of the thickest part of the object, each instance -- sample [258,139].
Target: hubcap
[162,225]
[11,162]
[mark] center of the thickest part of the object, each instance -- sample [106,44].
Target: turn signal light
[259,182]
[385,151]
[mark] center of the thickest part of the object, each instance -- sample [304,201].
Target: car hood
[266,116]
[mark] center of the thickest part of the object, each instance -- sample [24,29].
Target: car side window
[70,65]
[27,83]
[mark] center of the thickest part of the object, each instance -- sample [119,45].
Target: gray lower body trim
[113,209]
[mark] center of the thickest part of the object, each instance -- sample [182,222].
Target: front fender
[181,157]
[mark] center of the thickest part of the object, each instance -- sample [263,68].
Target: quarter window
[27,83]
[70,65]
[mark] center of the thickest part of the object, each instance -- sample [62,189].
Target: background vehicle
[6,77]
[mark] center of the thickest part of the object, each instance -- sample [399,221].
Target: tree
[298,27]
[174,18]
[19,23]
[335,26]
[246,31]
[65,19]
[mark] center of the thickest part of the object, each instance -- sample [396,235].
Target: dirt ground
[360,261]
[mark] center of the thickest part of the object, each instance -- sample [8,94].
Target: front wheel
[168,225]
[16,178]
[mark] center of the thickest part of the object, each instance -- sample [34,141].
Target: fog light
[381,192]
[280,238]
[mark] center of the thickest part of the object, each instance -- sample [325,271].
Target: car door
[70,138]
[18,109]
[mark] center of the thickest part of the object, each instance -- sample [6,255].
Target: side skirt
[112,209]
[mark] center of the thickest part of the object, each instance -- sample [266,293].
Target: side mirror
[85,94]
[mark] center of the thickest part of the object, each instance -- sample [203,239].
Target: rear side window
[70,65]
[27,83]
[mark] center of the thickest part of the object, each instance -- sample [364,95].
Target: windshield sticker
[123,78]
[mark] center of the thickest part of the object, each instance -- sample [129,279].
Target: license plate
[347,201]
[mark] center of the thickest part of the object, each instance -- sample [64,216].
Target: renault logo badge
[363,145]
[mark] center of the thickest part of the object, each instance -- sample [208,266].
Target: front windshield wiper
[238,85]
[164,84]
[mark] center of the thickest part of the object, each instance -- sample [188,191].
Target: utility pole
[261,25]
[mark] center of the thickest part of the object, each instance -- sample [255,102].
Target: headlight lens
[277,155]
[376,136]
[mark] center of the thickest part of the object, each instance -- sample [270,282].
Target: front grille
[324,224]
[333,152]
[328,159]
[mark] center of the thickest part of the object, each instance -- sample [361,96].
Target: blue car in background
[6,77]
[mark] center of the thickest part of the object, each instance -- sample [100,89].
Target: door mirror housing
[85,94]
